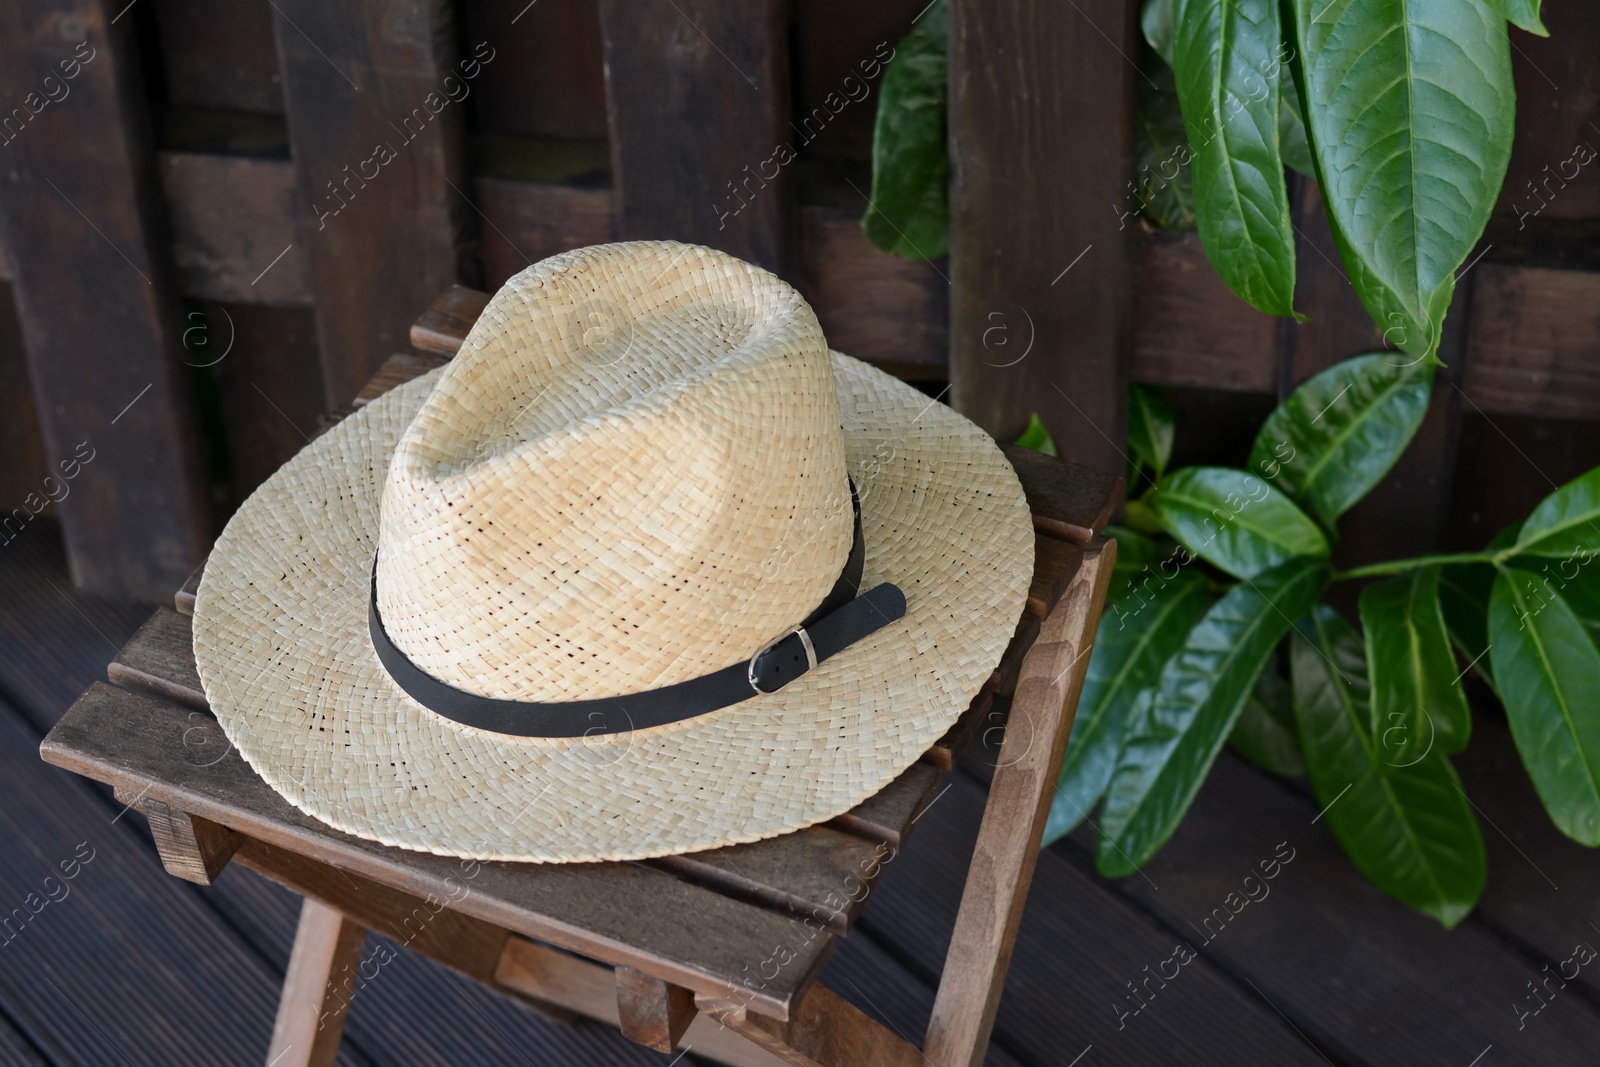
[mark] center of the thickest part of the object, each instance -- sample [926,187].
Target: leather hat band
[842,619]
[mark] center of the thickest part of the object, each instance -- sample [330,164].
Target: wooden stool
[716,950]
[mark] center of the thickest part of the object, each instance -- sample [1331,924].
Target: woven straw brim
[283,651]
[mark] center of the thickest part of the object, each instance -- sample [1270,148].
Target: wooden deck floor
[126,965]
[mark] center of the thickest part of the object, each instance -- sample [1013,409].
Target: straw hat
[646,569]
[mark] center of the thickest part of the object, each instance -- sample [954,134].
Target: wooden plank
[311,1011]
[872,305]
[1055,565]
[889,816]
[269,381]
[671,63]
[1188,327]
[234,231]
[82,209]
[183,599]
[1035,94]
[159,660]
[398,1019]
[1068,500]
[1557,87]
[428,926]
[820,875]
[826,1031]
[525,222]
[396,370]
[441,328]
[21,441]
[841,48]
[1014,817]
[377,147]
[1407,513]
[552,81]
[191,848]
[1079,945]
[1338,325]
[1532,865]
[651,1012]
[1531,347]
[616,913]
[1339,978]
[81,889]
[220,56]
[528,969]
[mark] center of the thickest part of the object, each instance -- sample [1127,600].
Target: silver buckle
[805,641]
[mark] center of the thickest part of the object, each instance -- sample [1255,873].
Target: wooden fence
[238,208]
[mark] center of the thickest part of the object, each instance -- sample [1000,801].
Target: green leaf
[1548,672]
[1137,635]
[1226,56]
[1579,585]
[1265,733]
[1292,130]
[909,213]
[1410,831]
[1566,523]
[1156,22]
[1037,437]
[1166,184]
[1235,520]
[1411,108]
[1338,434]
[1524,13]
[1149,428]
[1199,695]
[1464,601]
[1136,553]
[1417,702]
[1141,517]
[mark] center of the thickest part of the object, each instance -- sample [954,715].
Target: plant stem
[1398,566]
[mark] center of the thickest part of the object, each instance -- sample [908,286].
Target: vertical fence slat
[1041,129]
[699,104]
[87,244]
[377,144]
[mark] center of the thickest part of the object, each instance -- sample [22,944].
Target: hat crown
[633,474]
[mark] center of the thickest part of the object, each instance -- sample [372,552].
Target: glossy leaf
[1235,520]
[1547,671]
[1417,701]
[1411,108]
[1150,428]
[1138,633]
[1566,523]
[1338,434]
[1199,695]
[1165,184]
[1292,129]
[1524,13]
[1410,831]
[1579,586]
[1226,56]
[1037,437]
[1464,602]
[1137,554]
[1156,23]
[1265,733]
[909,213]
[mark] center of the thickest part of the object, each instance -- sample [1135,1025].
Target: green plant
[1402,112]
[1219,592]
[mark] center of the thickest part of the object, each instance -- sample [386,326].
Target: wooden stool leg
[310,1010]
[1014,818]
